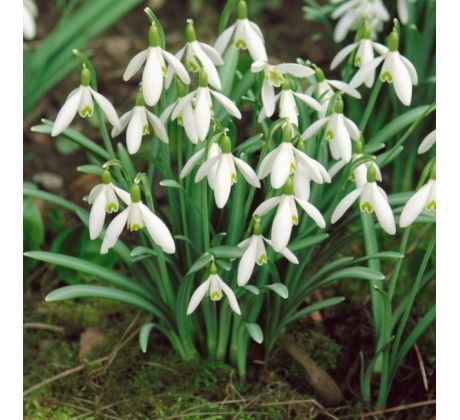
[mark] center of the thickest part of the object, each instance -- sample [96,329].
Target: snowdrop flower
[136,216]
[137,123]
[427,142]
[350,12]
[372,198]
[201,102]
[104,199]
[287,105]
[286,214]
[403,11]
[215,287]
[274,78]
[286,159]
[324,89]
[364,53]
[396,69]
[255,253]
[29,14]
[198,55]
[339,132]
[221,172]
[155,67]
[424,198]
[81,100]
[245,35]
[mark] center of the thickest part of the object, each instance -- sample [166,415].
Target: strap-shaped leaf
[144,335]
[255,331]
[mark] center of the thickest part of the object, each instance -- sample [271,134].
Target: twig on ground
[398,408]
[43,326]
[422,367]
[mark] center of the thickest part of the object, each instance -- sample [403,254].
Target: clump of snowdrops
[261,165]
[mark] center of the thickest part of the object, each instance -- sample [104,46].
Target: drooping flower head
[155,59]
[81,100]
[244,34]
[215,288]
[138,123]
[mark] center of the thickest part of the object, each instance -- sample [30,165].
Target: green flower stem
[370,104]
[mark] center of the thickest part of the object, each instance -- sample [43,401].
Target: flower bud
[154,36]
[288,187]
[190,35]
[85,77]
[242,10]
[106,177]
[135,193]
[393,41]
[226,144]
[371,173]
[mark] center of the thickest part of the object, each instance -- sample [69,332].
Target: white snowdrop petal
[97,215]
[182,103]
[383,211]
[403,11]
[289,255]
[93,194]
[212,53]
[411,69]
[257,30]
[268,98]
[135,130]
[67,113]
[188,119]
[254,42]
[28,25]
[177,66]
[248,173]
[281,165]
[266,206]
[205,168]
[114,230]
[258,65]
[124,120]
[228,104]
[380,48]
[336,167]
[247,262]
[401,81]
[365,71]
[202,112]
[192,162]
[208,65]
[414,206]
[224,39]
[313,212]
[282,225]
[343,27]
[198,296]
[311,102]
[158,230]
[167,112]
[301,185]
[134,65]
[152,77]
[223,182]
[345,204]
[342,54]
[345,87]
[342,139]
[158,126]
[427,142]
[352,128]
[125,196]
[314,128]
[107,108]
[298,70]
[266,164]
[231,297]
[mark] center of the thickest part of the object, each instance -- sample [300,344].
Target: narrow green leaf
[255,332]
[227,251]
[144,335]
[224,264]
[364,273]
[318,306]
[225,15]
[90,169]
[171,183]
[390,255]
[200,263]
[253,289]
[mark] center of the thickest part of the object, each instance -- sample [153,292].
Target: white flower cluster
[289,168]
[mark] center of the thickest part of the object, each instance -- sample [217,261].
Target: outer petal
[181,103]
[205,168]
[282,225]
[310,165]
[266,206]
[134,65]
[125,196]
[301,185]
[383,211]
[336,167]
[247,262]
[342,54]
[267,164]
[403,11]
[124,120]
[414,206]
[352,128]
[188,119]
[230,296]
[208,65]
[401,80]
[212,53]
[229,105]
[313,103]
[345,204]
[268,98]
[198,296]
[97,215]
[167,112]
[314,128]
[108,108]
[135,129]
[411,69]
[152,77]
[93,194]
[427,142]
[345,87]
[282,165]
[177,65]
[365,71]
[158,126]
[255,44]
[67,113]
[248,173]
[343,26]
[297,70]
[289,255]
[114,230]
[202,112]
[224,39]
[313,212]
[192,162]
[223,184]
[158,230]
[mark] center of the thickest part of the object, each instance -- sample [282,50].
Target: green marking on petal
[431,206]
[180,121]
[358,61]
[145,129]
[234,177]
[163,70]
[215,295]
[329,134]
[292,168]
[275,77]
[295,220]
[366,207]
[112,207]
[192,66]
[386,76]
[135,227]
[262,259]
[241,44]
[86,111]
